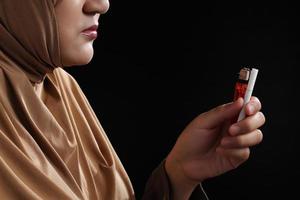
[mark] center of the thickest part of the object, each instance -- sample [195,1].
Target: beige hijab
[53,146]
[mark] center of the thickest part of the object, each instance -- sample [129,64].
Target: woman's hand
[211,145]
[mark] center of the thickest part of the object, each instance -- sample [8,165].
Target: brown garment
[53,146]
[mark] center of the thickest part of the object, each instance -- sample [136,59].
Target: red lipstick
[91,32]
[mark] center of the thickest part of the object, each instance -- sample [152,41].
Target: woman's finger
[253,106]
[248,124]
[235,156]
[242,141]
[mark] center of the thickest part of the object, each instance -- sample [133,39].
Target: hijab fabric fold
[52,146]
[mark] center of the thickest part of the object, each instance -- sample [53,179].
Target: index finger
[253,106]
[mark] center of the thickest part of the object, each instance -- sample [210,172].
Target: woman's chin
[78,59]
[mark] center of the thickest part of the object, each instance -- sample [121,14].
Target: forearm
[159,187]
[181,187]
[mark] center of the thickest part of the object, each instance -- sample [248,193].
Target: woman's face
[77,23]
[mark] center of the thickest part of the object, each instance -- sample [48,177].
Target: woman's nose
[96,6]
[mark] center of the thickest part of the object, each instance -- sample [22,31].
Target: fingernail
[234,130]
[251,108]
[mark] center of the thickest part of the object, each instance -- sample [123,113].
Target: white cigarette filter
[248,94]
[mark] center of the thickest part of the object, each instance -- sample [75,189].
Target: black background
[159,64]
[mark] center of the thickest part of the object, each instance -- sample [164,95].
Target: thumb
[218,115]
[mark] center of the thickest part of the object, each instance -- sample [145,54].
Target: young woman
[52,144]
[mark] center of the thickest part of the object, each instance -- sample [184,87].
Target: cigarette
[248,94]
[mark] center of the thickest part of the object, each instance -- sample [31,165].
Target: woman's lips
[91,32]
